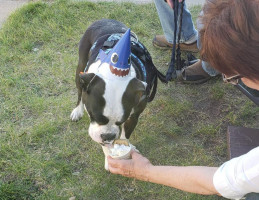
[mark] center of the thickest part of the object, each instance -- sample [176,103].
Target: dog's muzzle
[108,137]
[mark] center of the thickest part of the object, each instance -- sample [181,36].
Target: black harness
[140,59]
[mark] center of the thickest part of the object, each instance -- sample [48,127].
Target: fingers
[119,163]
[135,167]
[114,163]
[135,155]
[121,167]
[113,166]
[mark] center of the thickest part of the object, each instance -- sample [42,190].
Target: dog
[115,78]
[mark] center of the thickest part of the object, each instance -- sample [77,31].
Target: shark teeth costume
[119,56]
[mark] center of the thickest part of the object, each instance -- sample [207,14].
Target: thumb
[135,155]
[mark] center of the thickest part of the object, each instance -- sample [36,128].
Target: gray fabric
[252,196]
[166,16]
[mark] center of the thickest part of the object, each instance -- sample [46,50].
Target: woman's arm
[193,179]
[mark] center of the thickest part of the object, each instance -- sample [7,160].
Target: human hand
[137,167]
[171,3]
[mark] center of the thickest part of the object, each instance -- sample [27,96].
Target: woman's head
[230,37]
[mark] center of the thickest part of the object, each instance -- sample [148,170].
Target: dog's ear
[85,79]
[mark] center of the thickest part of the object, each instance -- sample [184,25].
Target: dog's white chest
[113,95]
[115,87]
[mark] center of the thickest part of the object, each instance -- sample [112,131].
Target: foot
[77,113]
[160,41]
[195,74]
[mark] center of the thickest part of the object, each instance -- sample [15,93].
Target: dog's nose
[108,136]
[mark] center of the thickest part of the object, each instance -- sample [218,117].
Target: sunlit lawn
[43,155]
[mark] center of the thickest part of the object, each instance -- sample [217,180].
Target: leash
[176,61]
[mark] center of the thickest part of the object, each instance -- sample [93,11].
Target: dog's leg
[78,112]
[84,48]
[130,124]
[106,153]
[123,134]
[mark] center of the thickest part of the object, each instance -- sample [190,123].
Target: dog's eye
[114,58]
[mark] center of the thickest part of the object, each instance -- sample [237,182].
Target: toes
[76,114]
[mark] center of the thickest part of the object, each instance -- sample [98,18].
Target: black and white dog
[113,97]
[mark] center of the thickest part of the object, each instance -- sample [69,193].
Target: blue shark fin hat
[118,57]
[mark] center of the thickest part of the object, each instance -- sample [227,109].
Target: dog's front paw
[77,114]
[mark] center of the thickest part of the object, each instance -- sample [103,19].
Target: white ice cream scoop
[121,149]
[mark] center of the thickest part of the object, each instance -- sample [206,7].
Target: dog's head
[110,103]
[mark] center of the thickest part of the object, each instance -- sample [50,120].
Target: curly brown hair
[230,36]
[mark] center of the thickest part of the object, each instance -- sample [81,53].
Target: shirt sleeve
[239,176]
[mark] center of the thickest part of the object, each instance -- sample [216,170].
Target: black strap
[171,73]
[178,51]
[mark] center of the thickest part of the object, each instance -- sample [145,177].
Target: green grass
[43,155]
